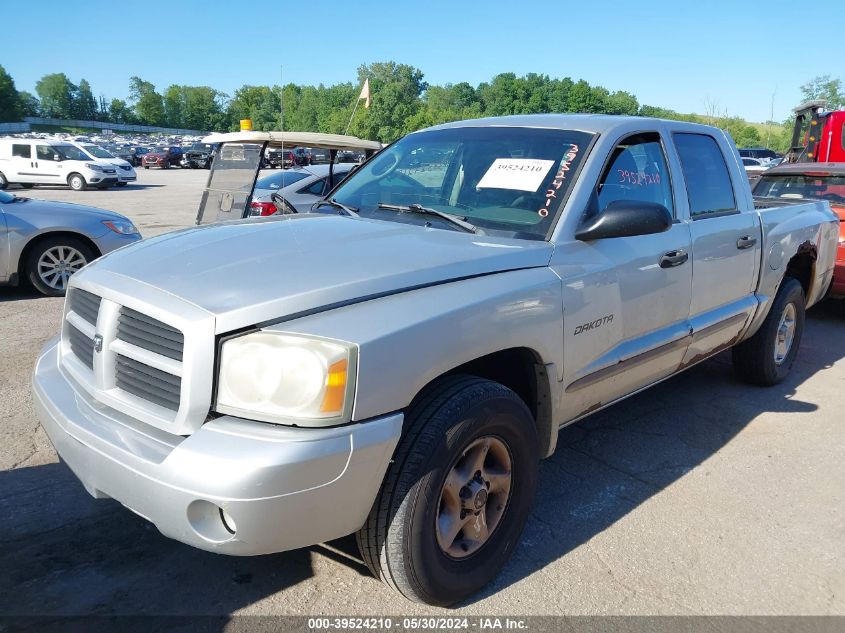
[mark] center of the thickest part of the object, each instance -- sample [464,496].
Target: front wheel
[457,494]
[51,262]
[76,182]
[766,358]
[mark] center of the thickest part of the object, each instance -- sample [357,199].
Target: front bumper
[234,486]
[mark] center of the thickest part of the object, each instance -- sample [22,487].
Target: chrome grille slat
[150,334]
[85,305]
[81,346]
[148,383]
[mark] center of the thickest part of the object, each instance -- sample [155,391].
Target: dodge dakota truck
[395,363]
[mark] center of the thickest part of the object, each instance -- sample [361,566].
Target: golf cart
[234,171]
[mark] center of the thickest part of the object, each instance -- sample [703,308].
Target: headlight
[93,167]
[124,227]
[287,379]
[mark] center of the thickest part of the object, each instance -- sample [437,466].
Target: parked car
[808,181]
[164,157]
[320,156]
[758,152]
[125,171]
[44,242]
[397,369]
[30,162]
[296,189]
[137,153]
[199,156]
[753,168]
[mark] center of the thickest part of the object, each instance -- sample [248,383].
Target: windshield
[820,186]
[506,181]
[97,152]
[280,180]
[6,197]
[69,152]
[201,147]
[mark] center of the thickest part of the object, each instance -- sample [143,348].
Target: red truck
[824,181]
[818,135]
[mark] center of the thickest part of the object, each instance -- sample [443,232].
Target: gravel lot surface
[699,496]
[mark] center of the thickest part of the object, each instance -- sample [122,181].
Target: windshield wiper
[337,205]
[457,220]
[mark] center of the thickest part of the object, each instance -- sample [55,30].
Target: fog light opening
[228,522]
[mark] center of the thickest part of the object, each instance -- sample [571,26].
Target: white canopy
[295,139]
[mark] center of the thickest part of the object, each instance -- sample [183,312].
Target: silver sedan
[44,242]
[299,187]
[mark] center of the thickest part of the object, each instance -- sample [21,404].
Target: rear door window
[708,181]
[22,150]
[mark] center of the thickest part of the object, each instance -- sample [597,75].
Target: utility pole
[281,100]
[771,117]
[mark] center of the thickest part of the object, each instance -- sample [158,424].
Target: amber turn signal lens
[335,388]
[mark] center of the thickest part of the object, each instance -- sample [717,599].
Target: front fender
[407,340]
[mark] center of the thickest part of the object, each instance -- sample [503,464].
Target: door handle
[746,241]
[673,258]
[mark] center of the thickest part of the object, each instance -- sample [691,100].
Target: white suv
[31,162]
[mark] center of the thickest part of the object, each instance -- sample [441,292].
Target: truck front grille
[81,346]
[85,304]
[148,383]
[150,334]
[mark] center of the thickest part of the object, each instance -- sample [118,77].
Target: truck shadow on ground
[65,554]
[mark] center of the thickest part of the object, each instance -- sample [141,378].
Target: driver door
[626,300]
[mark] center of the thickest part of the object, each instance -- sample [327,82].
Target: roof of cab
[594,123]
[295,139]
[811,169]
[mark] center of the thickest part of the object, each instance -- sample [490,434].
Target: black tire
[399,541]
[166,166]
[37,251]
[122,184]
[755,360]
[146,166]
[3,182]
[76,182]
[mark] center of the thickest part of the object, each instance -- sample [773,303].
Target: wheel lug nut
[465,492]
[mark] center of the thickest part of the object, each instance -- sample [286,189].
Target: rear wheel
[52,261]
[76,182]
[3,182]
[766,358]
[457,493]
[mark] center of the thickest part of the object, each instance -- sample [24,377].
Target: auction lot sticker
[522,174]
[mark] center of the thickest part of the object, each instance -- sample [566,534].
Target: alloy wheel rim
[785,334]
[57,264]
[474,497]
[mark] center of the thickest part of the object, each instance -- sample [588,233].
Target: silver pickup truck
[395,363]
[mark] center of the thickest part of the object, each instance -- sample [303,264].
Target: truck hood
[245,273]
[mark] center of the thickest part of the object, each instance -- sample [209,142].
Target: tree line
[402,101]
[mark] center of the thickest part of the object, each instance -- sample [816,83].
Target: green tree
[56,93]
[120,112]
[148,104]
[29,104]
[84,104]
[10,103]
[259,103]
[395,91]
[827,88]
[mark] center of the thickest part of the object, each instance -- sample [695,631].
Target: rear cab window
[708,181]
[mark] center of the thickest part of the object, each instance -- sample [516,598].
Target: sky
[739,57]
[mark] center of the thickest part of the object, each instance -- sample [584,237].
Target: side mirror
[57,158]
[625,218]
